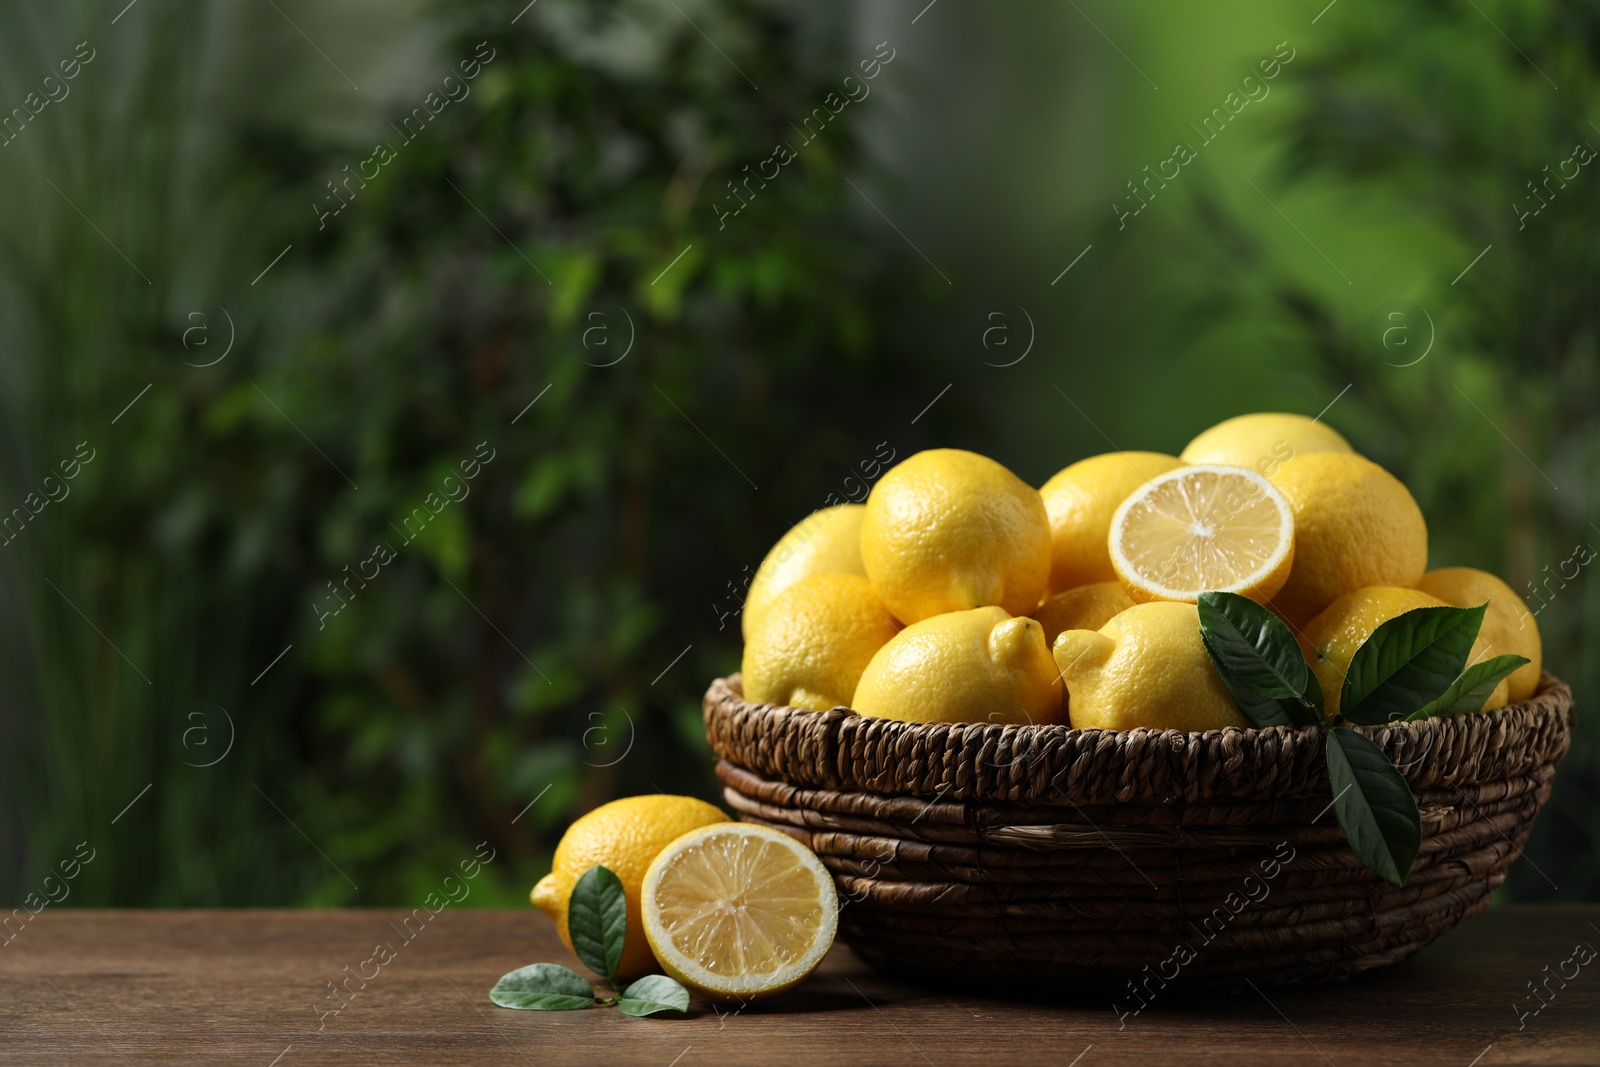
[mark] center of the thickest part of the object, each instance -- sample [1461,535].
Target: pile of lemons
[959,593]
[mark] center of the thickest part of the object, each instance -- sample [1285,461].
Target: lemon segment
[739,912]
[1199,528]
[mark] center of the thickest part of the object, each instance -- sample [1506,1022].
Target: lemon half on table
[1203,527]
[738,912]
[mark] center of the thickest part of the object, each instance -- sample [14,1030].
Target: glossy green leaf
[1374,805]
[1468,692]
[1302,710]
[597,920]
[1253,645]
[1311,702]
[1408,662]
[1261,711]
[542,987]
[651,994]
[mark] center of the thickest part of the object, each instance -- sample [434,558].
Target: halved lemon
[1203,527]
[738,912]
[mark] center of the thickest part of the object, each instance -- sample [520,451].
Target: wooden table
[243,987]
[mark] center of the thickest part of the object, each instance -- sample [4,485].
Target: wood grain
[239,987]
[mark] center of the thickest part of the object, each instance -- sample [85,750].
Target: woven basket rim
[733,684]
[843,750]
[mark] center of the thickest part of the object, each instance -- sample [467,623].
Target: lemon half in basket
[739,912]
[1199,528]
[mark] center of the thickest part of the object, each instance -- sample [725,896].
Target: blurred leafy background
[540,646]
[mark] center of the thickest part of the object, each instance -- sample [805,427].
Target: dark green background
[525,647]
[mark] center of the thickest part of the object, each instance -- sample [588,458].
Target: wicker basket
[1092,859]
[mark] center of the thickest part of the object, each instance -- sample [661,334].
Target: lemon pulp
[739,911]
[1199,528]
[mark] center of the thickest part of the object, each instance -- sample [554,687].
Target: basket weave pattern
[974,852]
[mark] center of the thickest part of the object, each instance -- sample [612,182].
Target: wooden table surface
[243,987]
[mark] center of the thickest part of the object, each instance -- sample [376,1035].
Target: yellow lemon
[738,912]
[623,836]
[980,665]
[809,647]
[1330,640]
[1145,668]
[1263,442]
[1199,528]
[1355,525]
[1508,626]
[1080,501]
[1088,607]
[824,542]
[948,530]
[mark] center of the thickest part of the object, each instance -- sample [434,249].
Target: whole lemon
[1145,668]
[808,649]
[824,542]
[1508,625]
[624,836]
[1080,501]
[1088,607]
[1355,525]
[1263,442]
[980,665]
[1330,640]
[948,530]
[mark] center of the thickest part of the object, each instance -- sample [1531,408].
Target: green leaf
[651,994]
[1252,644]
[1408,662]
[1374,805]
[597,920]
[1303,709]
[543,486]
[1261,711]
[1468,692]
[1311,700]
[542,987]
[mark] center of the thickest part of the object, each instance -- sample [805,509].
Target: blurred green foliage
[545,241]
[546,635]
